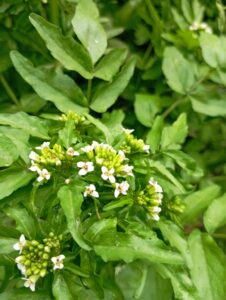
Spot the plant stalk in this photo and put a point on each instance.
(9, 91)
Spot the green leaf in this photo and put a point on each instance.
(208, 106)
(175, 134)
(213, 49)
(25, 294)
(65, 49)
(107, 94)
(178, 71)
(187, 11)
(117, 203)
(197, 202)
(12, 179)
(146, 107)
(120, 246)
(29, 124)
(60, 288)
(67, 133)
(109, 65)
(8, 151)
(154, 135)
(7, 245)
(71, 200)
(25, 223)
(54, 87)
(100, 227)
(215, 216)
(209, 266)
(86, 24)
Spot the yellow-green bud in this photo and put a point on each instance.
(43, 272)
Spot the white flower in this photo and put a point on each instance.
(43, 146)
(128, 131)
(85, 167)
(128, 170)
(30, 283)
(108, 174)
(33, 156)
(156, 217)
(208, 30)
(22, 268)
(87, 148)
(18, 259)
(146, 148)
(67, 181)
(121, 188)
(34, 167)
(122, 155)
(72, 152)
(99, 160)
(157, 187)
(58, 162)
(91, 191)
(195, 26)
(58, 262)
(95, 144)
(43, 174)
(20, 245)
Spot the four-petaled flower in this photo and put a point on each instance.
(30, 282)
(72, 152)
(20, 245)
(108, 174)
(43, 174)
(128, 170)
(85, 167)
(91, 191)
(121, 188)
(58, 262)
(33, 156)
(146, 148)
(34, 167)
(43, 146)
(87, 148)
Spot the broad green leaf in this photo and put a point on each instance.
(100, 227)
(120, 246)
(25, 223)
(215, 216)
(109, 65)
(209, 266)
(60, 288)
(54, 87)
(20, 139)
(176, 133)
(154, 135)
(210, 107)
(25, 294)
(86, 24)
(71, 200)
(146, 107)
(107, 94)
(29, 124)
(12, 179)
(7, 245)
(67, 133)
(113, 120)
(8, 151)
(213, 49)
(64, 48)
(178, 71)
(197, 202)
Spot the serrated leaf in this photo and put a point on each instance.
(65, 49)
(29, 124)
(12, 179)
(175, 134)
(209, 266)
(215, 216)
(178, 71)
(55, 87)
(197, 202)
(109, 65)
(87, 26)
(107, 94)
(71, 200)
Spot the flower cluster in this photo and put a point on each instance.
(173, 208)
(132, 144)
(78, 119)
(151, 198)
(196, 26)
(36, 259)
(49, 157)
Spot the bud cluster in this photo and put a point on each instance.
(78, 119)
(36, 259)
(151, 198)
(132, 144)
(197, 26)
(173, 207)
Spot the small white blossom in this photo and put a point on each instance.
(33, 156)
(58, 162)
(99, 160)
(29, 283)
(95, 144)
(58, 262)
(157, 187)
(18, 259)
(156, 217)
(91, 191)
(34, 167)
(72, 152)
(43, 174)
(43, 146)
(20, 245)
(122, 155)
(121, 188)
(128, 170)
(146, 148)
(85, 167)
(67, 181)
(87, 148)
(195, 26)
(108, 174)
(22, 268)
(128, 131)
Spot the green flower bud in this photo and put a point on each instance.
(43, 272)
(27, 262)
(45, 256)
(47, 249)
(34, 243)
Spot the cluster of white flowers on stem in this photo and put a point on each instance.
(197, 26)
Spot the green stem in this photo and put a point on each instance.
(54, 11)
(96, 209)
(173, 106)
(89, 90)
(219, 236)
(9, 90)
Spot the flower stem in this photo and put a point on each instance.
(54, 11)
(9, 91)
(89, 90)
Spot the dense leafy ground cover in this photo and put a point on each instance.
(112, 150)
